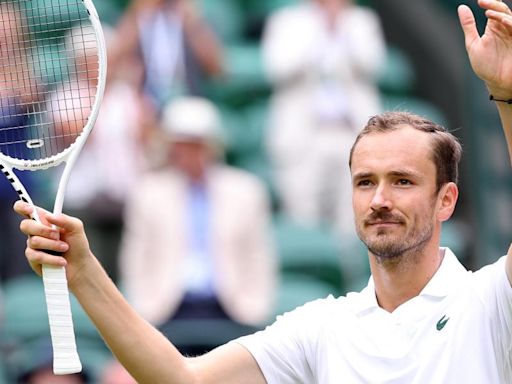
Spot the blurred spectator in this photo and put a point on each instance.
(70, 105)
(17, 97)
(114, 155)
(205, 253)
(176, 47)
(323, 57)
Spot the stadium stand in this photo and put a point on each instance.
(26, 328)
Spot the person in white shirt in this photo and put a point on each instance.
(322, 58)
(422, 318)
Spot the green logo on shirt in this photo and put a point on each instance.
(442, 322)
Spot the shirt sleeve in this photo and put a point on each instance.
(284, 349)
(496, 296)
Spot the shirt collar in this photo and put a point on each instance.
(440, 285)
(445, 279)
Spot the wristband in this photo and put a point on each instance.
(492, 98)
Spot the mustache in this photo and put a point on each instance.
(382, 216)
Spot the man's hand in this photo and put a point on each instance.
(58, 233)
(491, 58)
(490, 54)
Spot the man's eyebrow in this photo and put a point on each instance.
(362, 175)
(397, 173)
(404, 173)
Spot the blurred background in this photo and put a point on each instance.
(264, 64)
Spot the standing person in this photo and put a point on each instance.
(19, 99)
(322, 58)
(423, 318)
(177, 47)
(120, 142)
(212, 256)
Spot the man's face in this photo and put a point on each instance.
(394, 192)
(191, 157)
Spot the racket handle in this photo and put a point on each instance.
(65, 355)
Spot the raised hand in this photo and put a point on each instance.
(490, 54)
(58, 233)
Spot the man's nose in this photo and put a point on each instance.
(381, 199)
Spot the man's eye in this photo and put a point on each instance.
(404, 182)
(364, 183)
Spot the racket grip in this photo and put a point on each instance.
(65, 355)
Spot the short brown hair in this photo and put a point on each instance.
(446, 149)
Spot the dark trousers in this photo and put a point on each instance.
(200, 325)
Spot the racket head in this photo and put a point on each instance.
(52, 79)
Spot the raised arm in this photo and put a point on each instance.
(144, 352)
(491, 58)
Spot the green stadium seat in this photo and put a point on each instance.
(258, 165)
(42, 14)
(225, 17)
(454, 235)
(3, 373)
(354, 264)
(26, 327)
(310, 251)
(397, 76)
(244, 79)
(244, 131)
(296, 290)
(262, 8)
(109, 12)
(244, 128)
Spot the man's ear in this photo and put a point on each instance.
(447, 199)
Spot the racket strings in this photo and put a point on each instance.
(22, 106)
(48, 76)
(50, 43)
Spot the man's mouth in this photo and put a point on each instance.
(377, 222)
(383, 222)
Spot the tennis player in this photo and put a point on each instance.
(422, 318)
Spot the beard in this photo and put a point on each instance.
(390, 248)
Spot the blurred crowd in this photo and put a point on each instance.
(215, 186)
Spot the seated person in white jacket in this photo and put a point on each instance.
(207, 251)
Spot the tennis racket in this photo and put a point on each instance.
(53, 71)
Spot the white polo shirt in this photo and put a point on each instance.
(458, 330)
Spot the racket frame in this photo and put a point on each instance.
(65, 356)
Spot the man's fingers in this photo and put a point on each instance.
(32, 228)
(37, 258)
(27, 210)
(23, 209)
(45, 244)
(504, 19)
(67, 223)
(468, 24)
(495, 5)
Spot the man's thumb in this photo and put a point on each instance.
(468, 24)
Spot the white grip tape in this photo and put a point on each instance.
(65, 355)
